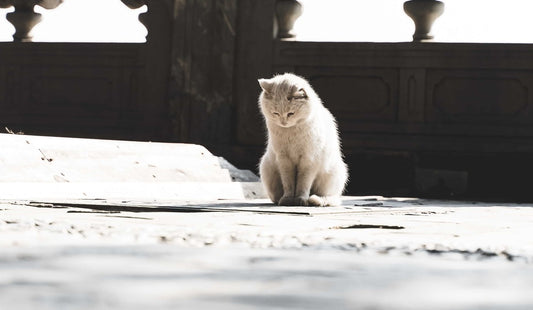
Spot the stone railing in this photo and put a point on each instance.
(423, 13)
(24, 18)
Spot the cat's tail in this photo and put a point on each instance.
(324, 201)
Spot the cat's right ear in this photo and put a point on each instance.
(266, 85)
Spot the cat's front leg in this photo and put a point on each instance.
(305, 175)
(288, 177)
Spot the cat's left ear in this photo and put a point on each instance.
(301, 94)
(266, 85)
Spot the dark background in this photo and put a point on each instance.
(429, 119)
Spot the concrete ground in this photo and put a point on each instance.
(371, 253)
(93, 224)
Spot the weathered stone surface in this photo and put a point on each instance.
(36, 167)
(151, 244)
(371, 253)
(163, 277)
(202, 71)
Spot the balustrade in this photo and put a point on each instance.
(422, 12)
(24, 18)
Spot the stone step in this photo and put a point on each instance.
(138, 191)
(91, 168)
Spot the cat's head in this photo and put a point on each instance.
(286, 99)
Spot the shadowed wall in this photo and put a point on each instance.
(415, 118)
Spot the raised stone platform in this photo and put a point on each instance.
(34, 167)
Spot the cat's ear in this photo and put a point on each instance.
(266, 85)
(300, 94)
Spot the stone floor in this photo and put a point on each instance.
(370, 253)
(95, 224)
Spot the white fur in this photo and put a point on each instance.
(303, 163)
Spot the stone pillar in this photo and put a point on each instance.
(287, 12)
(24, 18)
(423, 13)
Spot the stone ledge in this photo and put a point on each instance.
(35, 167)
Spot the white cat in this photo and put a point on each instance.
(303, 163)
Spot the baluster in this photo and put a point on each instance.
(287, 12)
(157, 19)
(134, 4)
(24, 18)
(143, 17)
(423, 13)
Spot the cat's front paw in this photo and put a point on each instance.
(300, 201)
(286, 201)
(293, 201)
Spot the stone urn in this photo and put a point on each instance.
(287, 12)
(423, 13)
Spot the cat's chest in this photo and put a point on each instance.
(294, 143)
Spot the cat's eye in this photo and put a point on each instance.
(290, 114)
(300, 97)
(275, 113)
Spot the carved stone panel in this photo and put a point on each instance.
(412, 95)
(480, 97)
(357, 94)
(69, 91)
(87, 95)
(72, 88)
(10, 91)
(3, 86)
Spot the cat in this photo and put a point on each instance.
(303, 164)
